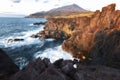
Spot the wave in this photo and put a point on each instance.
(30, 48)
(26, 35)
(53, 54)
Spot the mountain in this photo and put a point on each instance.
(61, 11)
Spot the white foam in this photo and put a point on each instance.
(31, 25)
(75, 66)
(26, 36)
(22, 61)
(53, 54)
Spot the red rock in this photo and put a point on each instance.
(84, 32)
(82, 40)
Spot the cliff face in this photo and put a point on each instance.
(99, 40)
(83, 39)
(86, 32)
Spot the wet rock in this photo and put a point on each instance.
(39, 23)
(52, 73)
(64, 70)
(18, 39)
(96, 72)
(14, 40)
(38, 70)
(106, 50)
(56, 34)
(7, 67)
(34, 36)
(31, 71)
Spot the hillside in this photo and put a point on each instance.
(61, 11)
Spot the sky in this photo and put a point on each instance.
(27, 7)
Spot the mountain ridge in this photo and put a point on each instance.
(60, 11)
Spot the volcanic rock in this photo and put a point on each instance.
(106, 50)
(14, 40)
(7, 67)
(64, 70)
(39, 23)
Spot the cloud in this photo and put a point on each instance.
(36, 0)
(16, 1)
(46, 1)
(56, 5)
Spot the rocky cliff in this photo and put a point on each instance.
(95, 40)
(88, 37)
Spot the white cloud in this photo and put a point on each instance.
(16, 1)
(31, 6)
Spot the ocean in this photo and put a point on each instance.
(21, 52)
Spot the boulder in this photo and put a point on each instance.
(14, 40)
(40, 70)
(7, 66)
(65, 70)
(39, 23)
(32, 70)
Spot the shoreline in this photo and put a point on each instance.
(94, 40)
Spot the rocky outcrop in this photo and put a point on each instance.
(82, 40)
(56, 34)
(54, 29)
(65, 70)
(84, 33)
(43, 69)
(7, 67)
(39, 23)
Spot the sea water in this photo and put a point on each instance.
(21, 52)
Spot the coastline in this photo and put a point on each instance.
(94, 40)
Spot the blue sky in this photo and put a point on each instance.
(30, 6)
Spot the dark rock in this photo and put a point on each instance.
(7, 67)
(51, 73)
(96, 72)
(39, 23)
(56, 34)
(31, 71)
(44, 70)
(42, 37)
(58, 63)
(14, 40)
(106, 50)
(18, 39)
(34, 36)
